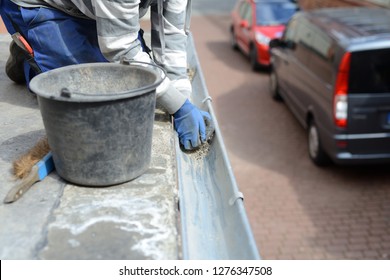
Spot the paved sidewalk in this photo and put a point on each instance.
(59, 220)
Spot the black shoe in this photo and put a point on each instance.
(14, 67)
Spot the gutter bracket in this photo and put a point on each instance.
(235, 197)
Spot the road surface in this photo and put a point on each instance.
(296, 210)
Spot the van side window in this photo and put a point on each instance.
(304, 35)
(323, 55)
(291, 30)
(302, 42)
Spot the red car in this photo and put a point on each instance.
(255, 23)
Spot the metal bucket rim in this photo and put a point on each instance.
(66, 95)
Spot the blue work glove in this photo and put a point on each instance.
(193, 125)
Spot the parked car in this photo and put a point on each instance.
(332, 69)
(255, 23)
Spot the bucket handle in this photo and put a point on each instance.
(126, 61)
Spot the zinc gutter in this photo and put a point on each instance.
(213, 219)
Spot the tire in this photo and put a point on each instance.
(316, 151)
(253, 59)
(233, 40)
(274, 86)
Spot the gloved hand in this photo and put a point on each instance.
(193, 125)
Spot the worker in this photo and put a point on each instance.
(65, 32)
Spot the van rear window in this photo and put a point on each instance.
(370, 71)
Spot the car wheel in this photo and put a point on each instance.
(274, 86)
(316, 151)
(253, 59)
(233, 40)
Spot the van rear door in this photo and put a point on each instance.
(369, 101)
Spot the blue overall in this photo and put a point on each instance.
(57, 38)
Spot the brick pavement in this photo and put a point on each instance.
(296, 210)
(320, 223)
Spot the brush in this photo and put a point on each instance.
(30, 168)
(23, 165)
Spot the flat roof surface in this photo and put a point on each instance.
(59, 220)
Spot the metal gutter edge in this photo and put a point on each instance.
(214, 224)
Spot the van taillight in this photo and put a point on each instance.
(340, 98)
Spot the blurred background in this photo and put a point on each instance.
(296, 209)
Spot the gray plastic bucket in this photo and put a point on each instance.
(98, 119)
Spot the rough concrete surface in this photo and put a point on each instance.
(59, 220)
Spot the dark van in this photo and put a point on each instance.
(332, 69)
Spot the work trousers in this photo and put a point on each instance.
(56, 38)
